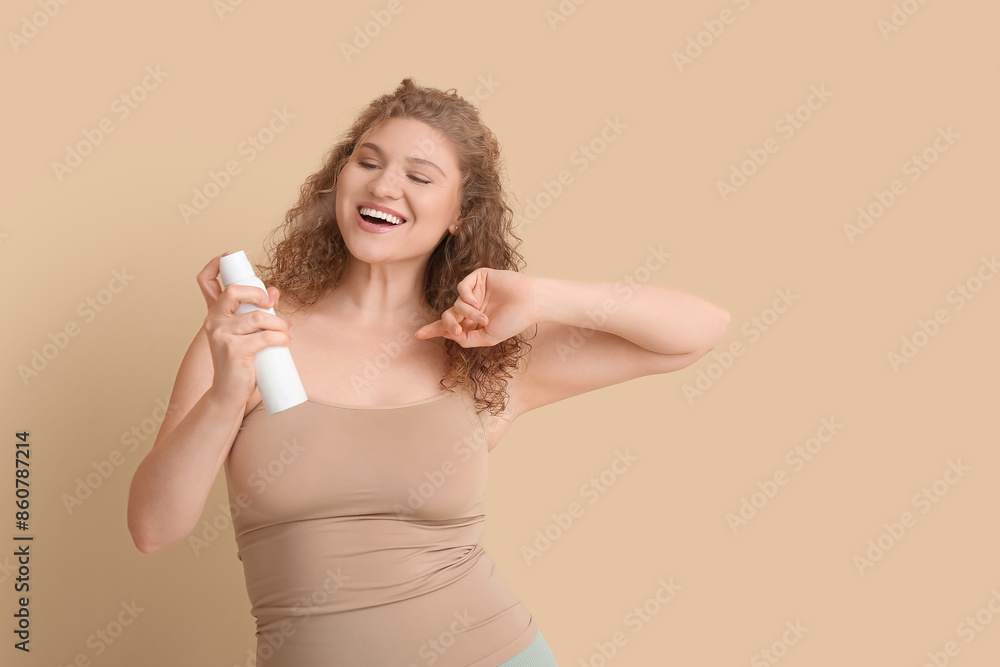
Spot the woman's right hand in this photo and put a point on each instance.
(235, 339)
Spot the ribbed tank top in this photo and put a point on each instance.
(358, 529)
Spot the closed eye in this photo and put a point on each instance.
(372, 165)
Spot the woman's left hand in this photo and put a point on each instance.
(492, 306)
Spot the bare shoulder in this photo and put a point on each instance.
(294, 314)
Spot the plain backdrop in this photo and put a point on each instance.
(825, 171)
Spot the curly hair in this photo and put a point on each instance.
(311, 258)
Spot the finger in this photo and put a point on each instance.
(258, 320)
(210, 288)
(466, 310)
(474, 338)
(267, 338)
(452, 321)
(234, 295)
(466, 289)
(432, 330)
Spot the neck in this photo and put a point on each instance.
(379, 294)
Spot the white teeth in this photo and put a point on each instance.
(382, 216)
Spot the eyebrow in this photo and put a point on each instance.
(412, 160)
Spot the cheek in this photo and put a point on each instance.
(345, 184)
(448, 205)
(441, 209)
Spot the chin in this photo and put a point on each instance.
(377, 250)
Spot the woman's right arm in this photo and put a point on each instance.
(210, 397)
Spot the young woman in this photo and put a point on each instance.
(397, 289)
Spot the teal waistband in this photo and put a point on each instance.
(538, 654)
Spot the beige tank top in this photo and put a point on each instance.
(358, 530)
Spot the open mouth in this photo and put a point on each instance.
(376, 217)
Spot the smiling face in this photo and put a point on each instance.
(399, 193)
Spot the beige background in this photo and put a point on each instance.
(655, 185)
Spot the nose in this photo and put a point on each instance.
(385, 184)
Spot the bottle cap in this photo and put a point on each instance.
(234, 267)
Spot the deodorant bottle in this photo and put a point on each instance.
(277, 379)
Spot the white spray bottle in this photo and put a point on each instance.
(277, 379)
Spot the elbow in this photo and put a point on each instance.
(145, 542)
(145, 547)
(149, 534)
(717, 329)
(714, 333)
(141, 537)
(145, 536)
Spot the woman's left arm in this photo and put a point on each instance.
(589, 335)
(660, 319)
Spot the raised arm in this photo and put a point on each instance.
(210, 397)
(589, 335)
